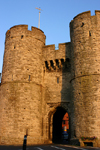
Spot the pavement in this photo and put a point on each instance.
(49, 147)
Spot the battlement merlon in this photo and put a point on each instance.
(49, 52)
(22, 30)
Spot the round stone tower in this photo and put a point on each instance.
(22, 85)
(85, 61)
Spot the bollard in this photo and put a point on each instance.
(25, 142)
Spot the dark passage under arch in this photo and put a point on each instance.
(57, 125)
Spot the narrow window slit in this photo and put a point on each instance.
(82, 24)
(29, 78)
(22, 36)
(57, 79)
(89, 33)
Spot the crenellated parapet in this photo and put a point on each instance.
(21, 31)
(49, 52)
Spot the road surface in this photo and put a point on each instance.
(48, 147)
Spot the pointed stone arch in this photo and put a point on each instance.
(50, 115)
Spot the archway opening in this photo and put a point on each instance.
(58, 124)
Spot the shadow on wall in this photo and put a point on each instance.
(66, 106)
(57, 125)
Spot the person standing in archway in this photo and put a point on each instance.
(65, 135)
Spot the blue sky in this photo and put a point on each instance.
(54, 19)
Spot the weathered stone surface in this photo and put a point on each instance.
(37, 79)
(85, 62)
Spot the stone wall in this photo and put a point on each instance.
(56, 83)
(37, 80)
(49, 52)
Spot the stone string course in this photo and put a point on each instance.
(36, 79)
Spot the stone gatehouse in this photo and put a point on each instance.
(40, 84)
